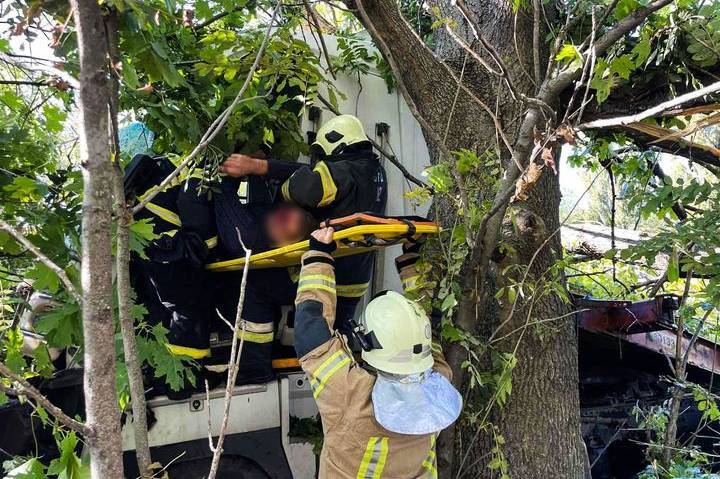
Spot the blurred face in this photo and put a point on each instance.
(287, 224)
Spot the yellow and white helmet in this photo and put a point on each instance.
(397, 335)
(337, 134)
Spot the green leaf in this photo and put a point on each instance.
(31, 469)
(570, 56)
(4, 45)
(673, 271)
(54, 118)
(623, 66)
(625, 8)
(602, 88)
(44, 278)
(641, 51)
(141, 234)
(61, 326)
(68, 465)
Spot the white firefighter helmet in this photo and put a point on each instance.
(337, 134)
(400, 333)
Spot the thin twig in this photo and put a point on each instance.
(26, 389)
(233, 364)
(318, 28)
(69, 286)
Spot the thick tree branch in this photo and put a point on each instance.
(24, 388)
(102, 412)
(657, 110)
(69, 286)
(650, 136)
(556, 85)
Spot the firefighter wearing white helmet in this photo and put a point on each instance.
(336, 136)
(381, 421)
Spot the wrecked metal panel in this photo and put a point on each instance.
(625, 316)
(704, 354)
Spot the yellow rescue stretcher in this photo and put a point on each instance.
(355, 234)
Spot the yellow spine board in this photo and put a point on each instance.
(290, 255)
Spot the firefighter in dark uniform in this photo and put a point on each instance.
(171, 281)
(346, 178)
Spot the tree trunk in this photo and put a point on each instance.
(122, 263)
(103, 416)
(540, 421)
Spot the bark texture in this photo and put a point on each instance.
(540, 422)
(103, 416)
(122, 262)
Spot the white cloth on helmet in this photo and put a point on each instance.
(422, 403)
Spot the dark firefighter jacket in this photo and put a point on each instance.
(355, 445)
(172, 281)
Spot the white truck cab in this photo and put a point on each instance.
(258, 442)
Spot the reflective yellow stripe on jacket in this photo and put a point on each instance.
(373, 461)
(320, 377)
(352, 290)
(164, 214)
(194, 353)
(257, 332)
(328, 184)
(429, 462)
(316, 281)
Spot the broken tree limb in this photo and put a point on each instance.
(657, 110)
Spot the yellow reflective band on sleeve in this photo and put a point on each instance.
(352, 290)
(324, 372)
(194, 353)
(260, 338)
(316, 281)
(212, 242)
(261, 333)
(328, 184)
(373, 461)
(164, 214)
(285, 190)
(429, 462)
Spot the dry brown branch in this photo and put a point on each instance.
(318, 28)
